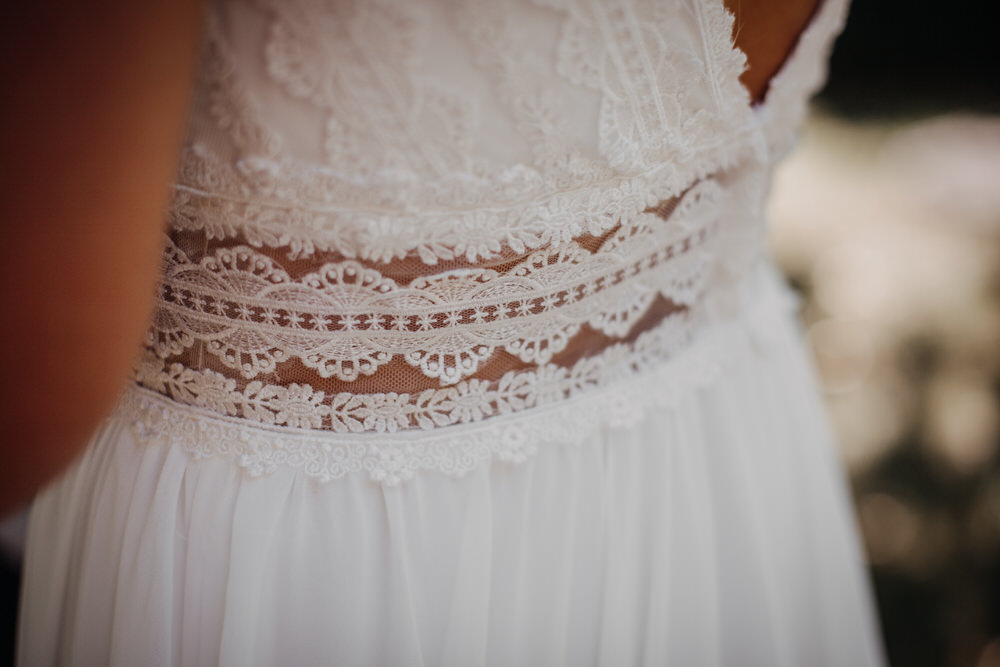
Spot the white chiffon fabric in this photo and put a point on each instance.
(717, 532)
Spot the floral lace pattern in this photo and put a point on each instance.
(346, 320)
(400, 175)
(643, 120)
(329, 59)
(267, 428)
(300, 406)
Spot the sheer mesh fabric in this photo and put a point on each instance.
(396, 375)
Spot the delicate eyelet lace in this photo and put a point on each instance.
(346, 320)
(265, 428)
(467, 401)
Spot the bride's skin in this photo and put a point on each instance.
(767, 31)
(94, 106)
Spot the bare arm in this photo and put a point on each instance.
(94, 101)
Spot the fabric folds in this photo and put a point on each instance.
(716, 532)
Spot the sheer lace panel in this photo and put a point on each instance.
(250, 331)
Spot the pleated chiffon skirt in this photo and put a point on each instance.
(717, 531)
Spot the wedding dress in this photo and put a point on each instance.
(467, 351)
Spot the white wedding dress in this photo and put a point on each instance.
(467, 352)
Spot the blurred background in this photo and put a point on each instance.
(887, 220)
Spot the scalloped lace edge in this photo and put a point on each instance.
(476, 234)
(277, 202)
(790, 91)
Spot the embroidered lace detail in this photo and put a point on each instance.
(330, 58)
(645, 117)
(300, 406)
(274, 427)
(346, 320)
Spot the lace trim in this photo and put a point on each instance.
(345, 320)
(789, 91)
(527, 411)
(301, 406)
(217, 199)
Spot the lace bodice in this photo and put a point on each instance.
(409, 235)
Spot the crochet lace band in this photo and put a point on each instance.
(264, 430)
(339, 345)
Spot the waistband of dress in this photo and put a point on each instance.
(510, 422)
